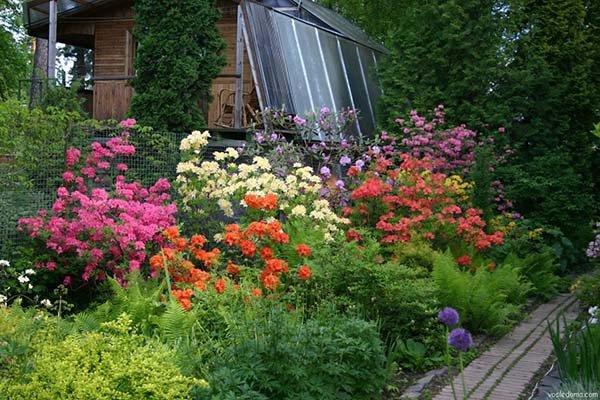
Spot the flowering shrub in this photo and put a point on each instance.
(449, 149)
(260, 252)
(100, 223)
(234, 188)
(411, 201)
(593, 250)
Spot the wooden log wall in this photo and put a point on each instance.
(112, 59)
(114, 52)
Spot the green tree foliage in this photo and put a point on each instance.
(376, 17)
(531, 66)
(13, 49)
(445, 52)
(178, 57)
(551, 88)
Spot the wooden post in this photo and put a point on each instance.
(239, 69)
(53, 19)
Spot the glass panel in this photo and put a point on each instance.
(370, 69)
(268, 52)
(315, 70)
(335, 68)
(293, 63)
(357, 84)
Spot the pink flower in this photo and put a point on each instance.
(67, 281)
(501, 129)
(122, 167)
(72, 156)
(128, 123)
(68, 176)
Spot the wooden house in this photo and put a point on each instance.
(291, 53)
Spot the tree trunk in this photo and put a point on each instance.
(38, 75)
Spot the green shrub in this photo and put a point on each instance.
(281, 357)
(113, 363)
(487, 301)
(253, 348)
(402, 299)
(587, 290)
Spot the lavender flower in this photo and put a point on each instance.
(345, 160)
(340, 184)
(299, 121)
(460, 339)
(448, 316)
(326, 172)
(360, 164)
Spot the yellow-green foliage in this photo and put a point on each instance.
(113, 363)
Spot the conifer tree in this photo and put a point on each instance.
(178, 57)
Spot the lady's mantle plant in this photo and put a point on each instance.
(100, 223)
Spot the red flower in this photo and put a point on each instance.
(220, 285)
(304, 273)
(270, 281)
(232, 268)
(248, 248)
(198, 241)
(256, 292)
(266, 253)
(464, 260)
(353, 236)
(184, 297)
(276, 266)
(371, 188)
(171, 233)
(303, 250)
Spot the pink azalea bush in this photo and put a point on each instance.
(100, 223)
(450, 149)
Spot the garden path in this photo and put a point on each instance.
(505, 370)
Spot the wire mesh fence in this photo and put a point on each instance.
(30, 175)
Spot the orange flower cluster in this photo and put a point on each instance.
(182, 271)
(260, 238)
(246, 240)
(267, 202)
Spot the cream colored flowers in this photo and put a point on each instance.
(222, 183)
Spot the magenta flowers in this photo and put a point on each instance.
(100, 223)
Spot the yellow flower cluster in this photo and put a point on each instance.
(459, 186)
(225, 183)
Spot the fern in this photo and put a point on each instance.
(483, 299)
(176, 323)
(540, 270)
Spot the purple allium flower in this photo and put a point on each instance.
(326, 172)
(299, 121)
(274, 137)
(340, 184)
(360, 164)
(448, 316)
(460, 339)
(325, 111)
(345, 160)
